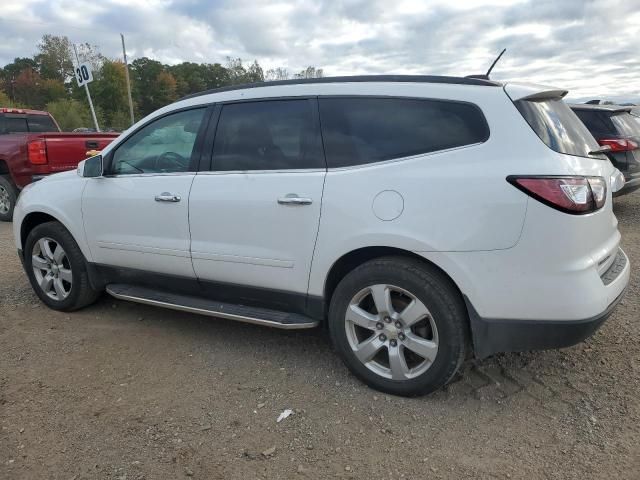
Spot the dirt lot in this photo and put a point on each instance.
(126, 391)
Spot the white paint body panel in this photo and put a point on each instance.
(512, 256)
(126, 227)
(241, 235)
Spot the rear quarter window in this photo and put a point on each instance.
(557, 126)
(626, 125)
(360, 130)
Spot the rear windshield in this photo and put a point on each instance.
(626, 124)
(41, 123)
(21, 123)
(13, 124)
(557, 126)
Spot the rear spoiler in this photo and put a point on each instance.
(531, 91)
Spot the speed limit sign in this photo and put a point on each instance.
(83, 74)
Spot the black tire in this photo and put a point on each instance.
(81, 293)
(439, 296)
(6, 185)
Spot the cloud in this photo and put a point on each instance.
(588, 47)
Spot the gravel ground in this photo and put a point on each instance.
(125, 391)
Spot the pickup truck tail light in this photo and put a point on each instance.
(619, 144)
(37, 152)
(571, 194)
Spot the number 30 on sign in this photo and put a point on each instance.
(83, 74)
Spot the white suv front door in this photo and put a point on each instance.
(254, 217)
(136, 216)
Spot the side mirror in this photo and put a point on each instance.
(91, 167)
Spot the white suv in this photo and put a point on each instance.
(422, 219)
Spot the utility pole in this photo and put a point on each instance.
(86, 87)
(126, 73)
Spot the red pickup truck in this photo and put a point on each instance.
(32, 146)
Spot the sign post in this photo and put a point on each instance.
(84, 76)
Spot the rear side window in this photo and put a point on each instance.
(267, 135)
(13, 124)
(557, 126)
(41, 123)
(359, 130)
(626, 125)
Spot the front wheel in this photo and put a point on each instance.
(8, 197)
(57, 268)
(400, 326)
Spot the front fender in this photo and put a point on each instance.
(59, 198)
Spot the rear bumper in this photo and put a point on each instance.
(494, 336)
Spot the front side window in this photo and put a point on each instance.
(165, 145)
(557, 126)
(267, 135)
(364, 130)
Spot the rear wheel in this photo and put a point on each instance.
(57, 269)
(399, 326)
(8, 196)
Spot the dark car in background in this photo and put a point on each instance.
(614, 126)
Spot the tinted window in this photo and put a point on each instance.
(267, 135)
(41, 123)
(597, 122)
(363, 130)
(13, 124)
(557, 126)
(163, 146)
(626, 125)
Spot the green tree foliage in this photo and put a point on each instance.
(54, 58)
(5, 101)
(70, 114)
(109, 90)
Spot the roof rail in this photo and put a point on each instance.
(356, 78)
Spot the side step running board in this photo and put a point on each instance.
(185, 303)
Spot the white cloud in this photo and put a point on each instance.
(588, 47)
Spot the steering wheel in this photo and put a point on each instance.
(170, 161)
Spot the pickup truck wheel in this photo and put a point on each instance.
(57, 269)
(8, 196)
(400, 326)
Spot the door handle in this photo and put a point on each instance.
(294, 199)
(167, 197)
(91, 144)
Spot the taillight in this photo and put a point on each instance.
(619, 144)
(571, 194)
(37, 152)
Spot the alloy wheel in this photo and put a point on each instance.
(391, 332)
(51, 268)
(5, 201)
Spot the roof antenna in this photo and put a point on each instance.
(495, 61)
(486, 75)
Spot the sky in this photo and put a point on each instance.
(591, 48)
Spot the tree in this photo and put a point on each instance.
(54, 58)
(189, 78)
(28, 88)
(109, 90)
(5, 101)
(144, 73)
(70, 114)
(165, 87)
(11, 71)
(310, 72)
(277, 74)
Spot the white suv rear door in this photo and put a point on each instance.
(254, 216)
